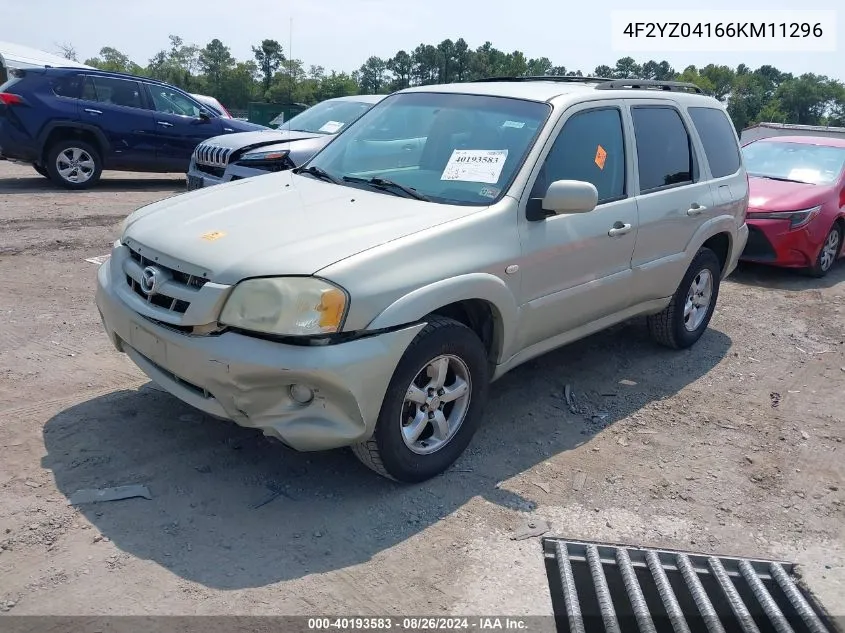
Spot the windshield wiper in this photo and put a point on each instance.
(388, 185)
(803, 182)
(317, 172)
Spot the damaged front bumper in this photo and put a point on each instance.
(249, 380)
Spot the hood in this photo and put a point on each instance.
(278, 224)
(262, 136)
(243, 126)
(777, 195)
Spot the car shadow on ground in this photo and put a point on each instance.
(38, 184)
(232, 510)
(787, 279)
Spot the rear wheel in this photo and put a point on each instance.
(433, 404)
(829, 253)
(74, 164)
(688, 314)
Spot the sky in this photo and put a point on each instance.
(342, 34)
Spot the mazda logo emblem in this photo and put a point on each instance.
(152, 280)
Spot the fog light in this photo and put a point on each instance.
(301, 394)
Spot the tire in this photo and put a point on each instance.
(829, 252)
(41, 171)
(90, 164)
(388, 452)
(671, 327)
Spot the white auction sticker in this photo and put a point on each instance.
(475, 165)
(331, 127)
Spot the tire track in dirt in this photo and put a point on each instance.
(82, 222)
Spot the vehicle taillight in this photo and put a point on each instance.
(7, 98)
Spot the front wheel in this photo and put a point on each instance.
(74, 164)
(688, 314)
(433, 404)
(829, 252)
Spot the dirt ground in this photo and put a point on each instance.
(733, 447)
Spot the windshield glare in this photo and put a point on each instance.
(813, 164)
(328, 117)
(451, 148)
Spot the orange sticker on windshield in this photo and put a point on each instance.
(212, 235)
(601, 157)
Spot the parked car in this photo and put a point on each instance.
(72, 123)
(236, 156)
(367, 299)
(214, 104)
(796, 213)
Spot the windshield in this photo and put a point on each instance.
(448, 148)
(800, 162)
(328, 117)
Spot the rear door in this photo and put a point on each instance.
(117, 107)
(179, 128)
(674, 198)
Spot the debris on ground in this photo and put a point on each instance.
(775, 398)
(570, 401)
(627, 383)
(579, 481)
(530, 529)
(542, 486)
(805, 435)
(109, 494)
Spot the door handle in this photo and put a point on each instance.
(93, 111)
(695, 210)
(164, 124)
(619, 229)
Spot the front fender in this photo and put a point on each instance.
(486, 287)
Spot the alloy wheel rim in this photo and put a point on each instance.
(75, 165)
(698, 300)
(436, 404)
(830, 250)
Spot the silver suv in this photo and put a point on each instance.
(235, 156)
(450, 234)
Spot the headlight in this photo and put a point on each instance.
(264, 156)
(796, 218)
(287, 306)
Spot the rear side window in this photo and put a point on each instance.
(717, 136)
(70, 86)
(664, 153)
(119, 92)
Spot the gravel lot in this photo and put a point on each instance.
(733, 447)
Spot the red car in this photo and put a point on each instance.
(796, 209)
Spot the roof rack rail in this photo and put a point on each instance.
(637, 84)
(561, 78)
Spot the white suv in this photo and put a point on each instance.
(368, 298)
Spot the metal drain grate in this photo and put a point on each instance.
(599, 587)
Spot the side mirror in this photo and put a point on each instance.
(564, 196)
(204, 116)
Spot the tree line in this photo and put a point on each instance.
(751, 95)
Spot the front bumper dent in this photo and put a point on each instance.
(247, 379)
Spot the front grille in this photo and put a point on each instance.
(211, 155)
(598, 587)
(758, 246)
(217, 172)
(175, 294)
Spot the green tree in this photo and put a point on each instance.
(373, 75)
(270, 56)
(114, 61)
(216, 61)
(401, 65)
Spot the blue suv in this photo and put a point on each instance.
(73, 123)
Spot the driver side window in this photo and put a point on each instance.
(171, 102)
(590, 147)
